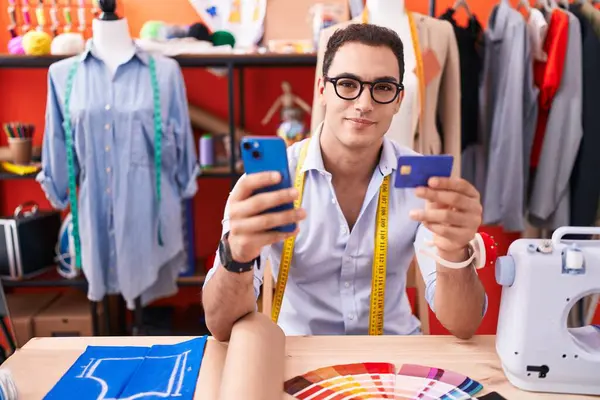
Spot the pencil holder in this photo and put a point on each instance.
(20, 149)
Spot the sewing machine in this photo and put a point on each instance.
(542, 280)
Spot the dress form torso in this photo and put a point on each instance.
(392, 14)
(112, 42)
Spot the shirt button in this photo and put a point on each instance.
(343, 229)
(107, 190)
(347, 284)
(108, 170)
(107, 107)
(333, 200)
(107, 148)
(107, 126)
(350, 316)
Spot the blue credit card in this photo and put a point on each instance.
(414, 171)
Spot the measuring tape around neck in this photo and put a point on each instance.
(376, 310)
(420, 69)
(71, 158)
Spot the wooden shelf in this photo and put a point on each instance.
(219, 172)
(51, 278)
(200, 60)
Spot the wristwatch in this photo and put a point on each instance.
(227, 260)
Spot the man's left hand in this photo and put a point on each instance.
(453, 213)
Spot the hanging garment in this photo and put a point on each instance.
(548, 75)
(549, 205)
(585, 185)
(593, 16)
(440, 114)
(113, 130)
(508, 110)
(538, 29)
(470, 49)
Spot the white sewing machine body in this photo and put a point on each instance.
(542, 280)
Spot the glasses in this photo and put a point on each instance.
(382, 92)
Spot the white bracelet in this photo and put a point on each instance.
(482, 251)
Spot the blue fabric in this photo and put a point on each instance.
(107, 372)
(113, 127)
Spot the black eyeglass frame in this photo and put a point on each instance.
(399, 88)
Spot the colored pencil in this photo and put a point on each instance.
(19, 130)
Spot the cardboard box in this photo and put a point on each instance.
(22, 308)
(69, 315)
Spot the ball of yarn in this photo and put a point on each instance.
(15, 45)
(176, 31)
(199, 31)
(153, 30)
(67, 44)
(221, 38)
(37, 43)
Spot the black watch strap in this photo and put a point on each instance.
(229, 263)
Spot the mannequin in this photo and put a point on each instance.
(124, 139)
(112, 41)
(428, 124)
(392, 14)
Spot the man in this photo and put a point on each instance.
(328, 290)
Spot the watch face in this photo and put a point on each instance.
(223, 254)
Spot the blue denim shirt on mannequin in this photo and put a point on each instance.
(113, 128)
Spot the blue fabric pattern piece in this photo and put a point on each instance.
(168, 371)
(113, 125)
(114, 372)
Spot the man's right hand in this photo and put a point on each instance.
(249, 229)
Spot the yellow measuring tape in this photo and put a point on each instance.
(379, 256)
(419, 60)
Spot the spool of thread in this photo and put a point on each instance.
(574, 259)
(199, 31)
(206, 151)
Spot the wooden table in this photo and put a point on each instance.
(42, 361)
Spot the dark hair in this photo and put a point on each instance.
(368, 34)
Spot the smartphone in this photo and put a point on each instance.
(266, 154)
(414, 171)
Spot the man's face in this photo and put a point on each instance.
(361, 122)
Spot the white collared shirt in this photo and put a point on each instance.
(329, 283)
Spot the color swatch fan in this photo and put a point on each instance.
(381, 381)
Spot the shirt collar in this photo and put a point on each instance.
(314, 158)
(90, 51)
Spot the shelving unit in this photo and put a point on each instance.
(233, 63)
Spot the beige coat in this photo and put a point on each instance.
(442, 93)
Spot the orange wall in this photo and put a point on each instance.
(24, 96)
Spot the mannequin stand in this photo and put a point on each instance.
(432, 8)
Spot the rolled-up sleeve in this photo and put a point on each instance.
(187, 160)
(428, 266)
(53, 176)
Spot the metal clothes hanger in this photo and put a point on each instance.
(463, 4)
